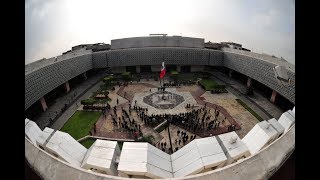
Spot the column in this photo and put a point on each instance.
(230, 73)
(138, 70)
(249, 82)
(85, 75)
(43, 104)
(273, 96)
(66, 85)
(178, 68)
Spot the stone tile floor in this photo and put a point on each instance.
(179, 108)
(108, 129)
(228, 101)
(174, 136)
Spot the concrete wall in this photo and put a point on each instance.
(42, 81)
(265, 57)
(156, 68)
(157, 41)
(99, 59)
(120, 69)
(153, 56)
(261, 71)
(259, 166)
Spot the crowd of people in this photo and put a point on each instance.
(196, 121)
(125, 122)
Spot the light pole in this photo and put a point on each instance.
(170, 138)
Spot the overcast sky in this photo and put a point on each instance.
(54, 26)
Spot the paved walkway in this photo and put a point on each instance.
(54, 111)
(261, 105)
(106, 128)
(174, 138)
(221, 129)
(77, 103)
(129, 94)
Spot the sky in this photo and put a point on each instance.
(54, 26)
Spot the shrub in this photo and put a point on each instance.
(249, 109)
(126, 76)
(88, 102)
(148, 139)
(108, 79)
(210, 85)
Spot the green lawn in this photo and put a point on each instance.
(208, 84)
(249, 109)
(88, 142)
(80, 123)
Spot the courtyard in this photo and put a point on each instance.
(141, 109)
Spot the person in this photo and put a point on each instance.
(117, 101)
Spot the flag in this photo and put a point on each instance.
(163, 71)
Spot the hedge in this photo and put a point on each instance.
(249, 109)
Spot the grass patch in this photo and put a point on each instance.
(126, 73)
(208, 84)
(174, 73)
(249, 109)
(88, 142)
(211, 85)
(80, 123)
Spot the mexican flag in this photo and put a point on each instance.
(163, 71)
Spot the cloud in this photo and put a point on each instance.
(39, 9)
(265, 20)
(53, 26)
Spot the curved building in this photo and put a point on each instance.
(184, 54)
